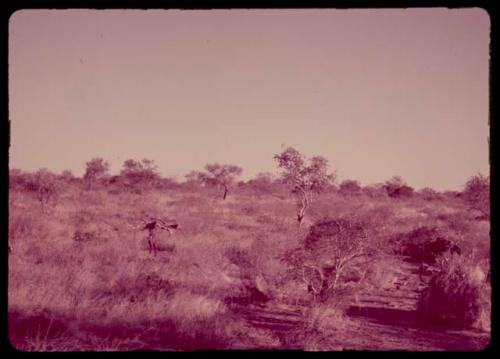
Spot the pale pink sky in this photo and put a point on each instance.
(377, 92)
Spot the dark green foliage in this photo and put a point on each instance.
(425, 245)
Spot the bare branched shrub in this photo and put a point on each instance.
(302, 179)
(333, 250)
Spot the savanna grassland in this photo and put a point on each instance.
(240, 272)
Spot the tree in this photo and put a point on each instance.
(45, 187)
(396, 187)
(193, 177)
(375, 190)
(477, 193)
(67, 176)
(397, 181)
(96, 168)
(350, 187)
(140, 172)
(303, 177)
(220, 175)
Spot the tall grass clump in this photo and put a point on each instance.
(195, 321)
(458, 296)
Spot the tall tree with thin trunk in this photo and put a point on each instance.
(304, 177)
(45, 185)
(96, 168)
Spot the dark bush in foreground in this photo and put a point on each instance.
(456, 297)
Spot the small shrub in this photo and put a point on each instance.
(21, 225)
(82, 236)
(322, 322)
(429, 194)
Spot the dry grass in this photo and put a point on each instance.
(81, 278)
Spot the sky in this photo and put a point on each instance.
(378, 92)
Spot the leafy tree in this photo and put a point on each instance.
(396, 187)
(303, 177)
(140, 172)
(67, 176)
(477, 193)
(350, 187)
(95, 169)
(220, 175)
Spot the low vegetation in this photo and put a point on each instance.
(81, 276)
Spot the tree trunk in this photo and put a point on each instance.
(89, 184)
(304, 205)
(225, 192)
